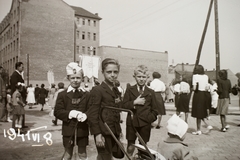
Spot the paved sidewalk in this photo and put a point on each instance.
(215, 145)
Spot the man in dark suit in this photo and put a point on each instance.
(142, 101)
(70, 107)
(16, 77)
(36, 93)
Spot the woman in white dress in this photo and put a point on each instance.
(30, 96)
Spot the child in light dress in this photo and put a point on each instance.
(18, 105)
(9, 105)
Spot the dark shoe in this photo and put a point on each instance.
(54, 122)
(30, 107)
(158, 127)
(238, 125)
(25, 127)
(41, 110)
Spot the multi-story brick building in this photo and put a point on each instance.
(87, 32)
(52, 34)
(49, 33)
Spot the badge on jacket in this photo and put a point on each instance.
(76, 100)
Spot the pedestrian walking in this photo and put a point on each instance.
(184, 98)
(142, 101)
(171, 93)
(51, 93)
(30, 96)
(176, 91)
(159, 88)
(100, 96)
(70, 107)
(36, 93)
(224, 89)
(60, 89)
(18, 77)
(199, 107)
(43, 93)
(214, 96)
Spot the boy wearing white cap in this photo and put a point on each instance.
(70, 107)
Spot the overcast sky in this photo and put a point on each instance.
(174, 26)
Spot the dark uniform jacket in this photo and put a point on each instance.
(143, 114)
(64, 104)
(102, 95)
(14, 79)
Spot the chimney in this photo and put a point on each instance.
(119, 46)
(96, 14)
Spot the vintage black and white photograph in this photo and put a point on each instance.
(119, 79)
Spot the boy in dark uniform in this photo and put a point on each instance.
(70, 107)
(142, 101)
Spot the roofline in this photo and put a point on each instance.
(133, 49)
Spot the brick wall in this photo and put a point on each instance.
(47, 35)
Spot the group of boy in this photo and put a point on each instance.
(72, 105)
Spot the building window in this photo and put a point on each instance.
(77, 34)
(11, 32)
(83, 35)
(17, 27)
(94, 51)
(83, 21)
(89, 22)
(94, 36)
(14, 45)
(94, 23)
(89, 36)
(83, 49)
(17, 44)
(77, 20)
(14, 30)
(77, 48)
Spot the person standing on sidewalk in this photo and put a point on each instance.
(142, 101)
(159, 88)
(60, 89)
(199, 107)
(16, 77)
(70, 107)
(224, 89)
(100, 96)
(183, 104)
(30, 96)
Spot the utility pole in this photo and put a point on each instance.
(27, 69)
(203, 34)
(217, 38)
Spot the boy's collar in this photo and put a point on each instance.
(70, 88)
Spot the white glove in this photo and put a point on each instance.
(74, 114)
(82, 117)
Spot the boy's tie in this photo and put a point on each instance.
(140, 89)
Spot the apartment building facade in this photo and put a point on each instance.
(46, 35)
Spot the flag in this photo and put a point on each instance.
(90, 66)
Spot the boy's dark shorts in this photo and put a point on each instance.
(81, 141)
(144, 131)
